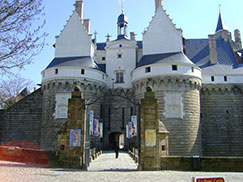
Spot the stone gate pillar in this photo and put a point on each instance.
(71, 138)
(151, 136)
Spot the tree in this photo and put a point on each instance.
(20, 40)
(13, 90)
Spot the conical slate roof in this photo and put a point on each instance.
(221, 25)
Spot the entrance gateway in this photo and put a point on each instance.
(74, 140)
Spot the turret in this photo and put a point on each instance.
(122, 23)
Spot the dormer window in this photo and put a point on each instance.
(174, 67)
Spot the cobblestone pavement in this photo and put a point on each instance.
(105, 168)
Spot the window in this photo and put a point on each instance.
(103, 58)
(147, 69)
(225, 78)
(120, 45)
(174, 67)
(192, 69)
(212, 78)
(82, 71)
(56, 71)
(119, 77)
(119, 55)
(103, 76)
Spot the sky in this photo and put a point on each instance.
(197, 19)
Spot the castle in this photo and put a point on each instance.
(198, 82)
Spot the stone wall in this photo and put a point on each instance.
(1, 125)
(229, 164)
(23, 119)
(222, 120)
(50, 124)
(179, 110)
(118, 111)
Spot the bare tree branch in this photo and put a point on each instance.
(11, 88)
(20, 38)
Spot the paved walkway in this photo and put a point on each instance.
(108, 162)
(105, 168)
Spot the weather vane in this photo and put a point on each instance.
(121, 2)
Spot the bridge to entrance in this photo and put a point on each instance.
(108, 162)
(74, 149)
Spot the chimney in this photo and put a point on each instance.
(238, 38)
(79, 4)
(158, 3)
(87, 25)
(132, 36)
(213, 56)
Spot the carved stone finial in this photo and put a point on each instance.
(77, 88)
(149, 89)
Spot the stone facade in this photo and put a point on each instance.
(22, 121)
(72, 152)
(51, 124)
(222, 120)
(184, 129)
(153, 142)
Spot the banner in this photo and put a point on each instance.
(96, 127)
(101, 130)
(91, 120)
(134, 122)
(130, 130)
(75, 138)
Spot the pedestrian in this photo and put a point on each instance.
(116, 150)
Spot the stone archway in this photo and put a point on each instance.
(116, 138)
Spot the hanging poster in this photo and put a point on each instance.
(150, 138)
(96, 127)
(75, 138)
(101, 130)
(130, 130)
(91, 120)
(134, 122)
(127, 131)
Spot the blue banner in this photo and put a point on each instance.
(75, 138)
(96, 127)
(130, 130)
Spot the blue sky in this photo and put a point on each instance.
(197, 19)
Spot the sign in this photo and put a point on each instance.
(150, 138)
(101, 130)
(209, 179)
(96, 127)
(130, 130)
(134, 121)
(91, 120)
(75, 138)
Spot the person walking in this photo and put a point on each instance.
(116, 150)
